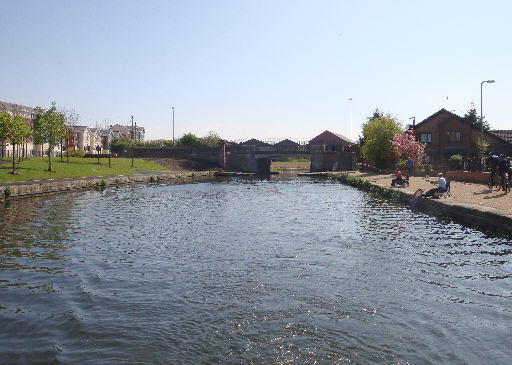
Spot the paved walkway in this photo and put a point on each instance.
(461, 192)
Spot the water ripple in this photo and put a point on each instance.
(247, 271)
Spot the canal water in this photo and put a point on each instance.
(247, 271)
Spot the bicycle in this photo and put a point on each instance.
(494, 180)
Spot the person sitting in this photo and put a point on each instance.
(442, 187)
(398, 180)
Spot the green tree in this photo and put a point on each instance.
(14, 129)
(118, 145)
(211, 140)
(472, 117)
(378, 133)
(50, 128)
(188, 139)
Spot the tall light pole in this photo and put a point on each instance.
(350, 119)
(133, 136)
(482, 108)
(172, 126)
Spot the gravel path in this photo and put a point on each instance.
(461, 192)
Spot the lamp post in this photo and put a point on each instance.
(350, 119)
(133, 136)
(413, 121)
(172, 126)
(481, 109)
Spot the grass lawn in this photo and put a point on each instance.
(36, 168)
(291, 164)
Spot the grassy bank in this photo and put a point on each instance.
(36, 168)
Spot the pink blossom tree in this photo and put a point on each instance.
(406, 146)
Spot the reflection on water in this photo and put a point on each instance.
(251, 271)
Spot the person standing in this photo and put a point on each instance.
(492, 164)
(503, 166)
(409, 164)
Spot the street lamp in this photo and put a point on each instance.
(413, 121)
(172, 126)
(481, 109)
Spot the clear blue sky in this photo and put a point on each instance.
(266, 68)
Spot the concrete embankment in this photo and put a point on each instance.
(484, 218)
(37, 187)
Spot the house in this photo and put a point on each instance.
(447, 134)
(128, 132)
(258, 145)
(503, 134)
(332, 141)
(95, 140)
(286, 145)
(82, 138)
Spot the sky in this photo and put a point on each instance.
(257, 69)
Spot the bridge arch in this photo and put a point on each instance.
(264, 162)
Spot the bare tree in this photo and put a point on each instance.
(72, 120)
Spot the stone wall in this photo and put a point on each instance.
(62, 185)
(469, 176)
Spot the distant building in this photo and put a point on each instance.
(137, 133)
(257, 145)
(332, 141)
(30, 116)
(82, 138)
(503, 134)
(286, 145)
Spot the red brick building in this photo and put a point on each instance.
(286, 145)
(332, 140)
(448, 134)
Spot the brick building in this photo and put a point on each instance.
(28, 148)
(447, 134)
(332, 141)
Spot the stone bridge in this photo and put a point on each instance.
(257, 159)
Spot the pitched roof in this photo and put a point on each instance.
(255, 142)
(286, 142)
(442, 110)
(79, 128)
(495, 134)
(503, 134)
(326, 133)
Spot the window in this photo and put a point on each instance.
(426, 137)
(454, 136)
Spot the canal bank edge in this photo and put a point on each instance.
(28, 188)
(484, 218)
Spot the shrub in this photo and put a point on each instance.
(75, 153)
(455, 161)
(7, 192)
